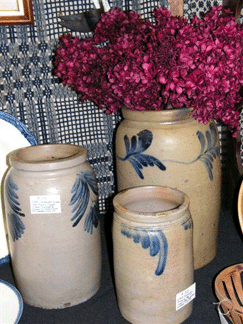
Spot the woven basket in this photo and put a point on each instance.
(229, 291)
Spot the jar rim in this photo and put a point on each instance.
(178, 204)
(46, 157)
(168, 115)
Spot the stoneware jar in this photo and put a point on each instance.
(53, 225)
(170, 148)
(153, 255)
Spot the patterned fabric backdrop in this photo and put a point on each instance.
(52, 112)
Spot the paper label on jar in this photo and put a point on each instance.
(46, 204)
(185, 296)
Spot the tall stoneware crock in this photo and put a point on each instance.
(153, 255)
(170, 148)
(53, 226)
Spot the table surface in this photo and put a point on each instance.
(102, 308)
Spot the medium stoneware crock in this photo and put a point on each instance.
(53, 225)
(153, 255)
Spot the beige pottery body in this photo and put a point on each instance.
(153, 254)
(170, 148)
(53, 228)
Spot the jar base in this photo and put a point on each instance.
(62, 305)
(204, 260)
(175, 320)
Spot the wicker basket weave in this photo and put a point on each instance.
(229, 291)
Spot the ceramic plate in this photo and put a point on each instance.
(13, 135)
(11, 304)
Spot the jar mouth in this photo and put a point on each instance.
(47, 157)
(167, 115)
(151, 203)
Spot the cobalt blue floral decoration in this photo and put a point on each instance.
(135, 152)
(85, 184)
(154, 240)
(212, 151)
(187, 224)
(143, 140)
(16, 225)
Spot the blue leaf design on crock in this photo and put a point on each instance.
(134, 152)
(154, 240)
(16, 226)
(85, 181)
(212, 151)
(187, 224)
(92, 218)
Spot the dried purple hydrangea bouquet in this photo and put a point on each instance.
(168, 62)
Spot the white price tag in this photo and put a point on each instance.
(186, 296)
(48, 204)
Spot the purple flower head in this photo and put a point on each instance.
(173, 62)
